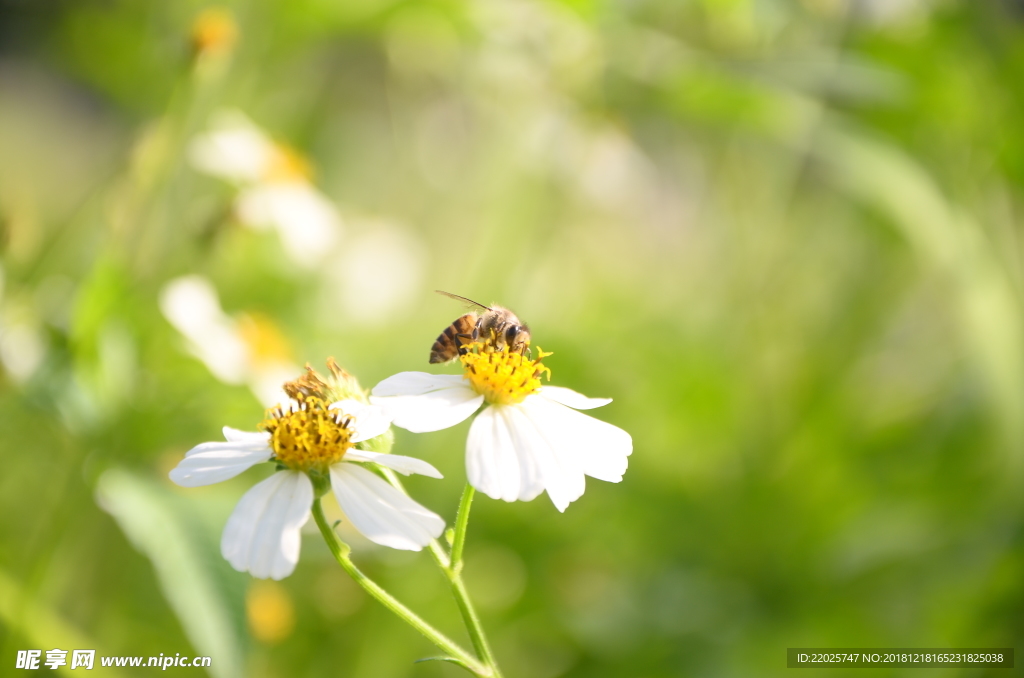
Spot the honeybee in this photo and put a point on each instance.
(496, 327)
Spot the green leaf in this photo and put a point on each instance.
(193, 577)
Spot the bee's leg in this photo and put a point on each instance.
(462, 340)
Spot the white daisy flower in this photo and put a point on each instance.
(309, 439)
(232, 353)
(306, 222)
(274, 184)
(529, 438)
(234, 149)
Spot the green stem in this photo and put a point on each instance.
(341, 550)
(461, 523)
(472, 621)
(453, 571)
(452, 568)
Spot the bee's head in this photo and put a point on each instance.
(517, 337)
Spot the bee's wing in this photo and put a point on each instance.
(464, 300)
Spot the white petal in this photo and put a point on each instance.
(557, 461)
(210, 463)
(348, 406)
(382, 513)
(262, 535)
(233, 435)
(421, 402)
(600, 448)
(396, 462)
(234, 149)
(569, 397)
(191, 304)
(307, 222)
(417, 383)
(493, 463)
(368, 421)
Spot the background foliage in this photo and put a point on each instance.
(784, 236)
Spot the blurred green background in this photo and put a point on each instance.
(784, 236)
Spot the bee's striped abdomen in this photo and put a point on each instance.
(448, 343)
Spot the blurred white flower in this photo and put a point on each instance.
(306, 221)
(23, 344)
(528, 439)
(22, 349)
(274, 186)
(305, 437)
(234, 149)
(377, 275)
(234, 352)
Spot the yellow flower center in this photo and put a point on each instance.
(502, 377)
(308, 436)
(214, 30)
(266, 342)
(287, 166)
